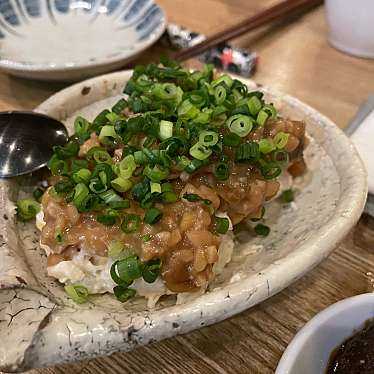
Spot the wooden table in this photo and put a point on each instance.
(296, 58)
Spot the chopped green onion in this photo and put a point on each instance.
(70, 149)
(193, 198)
(146, 238)
(119, 106)
(121, 204)
(173, 145)
(182, 162)
(115, 248)
(152, 216)
(240, 124)
(97, 186)
(166, 129)
(218, 111)
(204, 116)
(193, 166)
(147, 201)
(247, 152)
(262, 117)
(187, 110)
(167, 187)
(222, 171)
(288, 196)
(123, 294)
(90, 202)
(266, 146)
(58, 236)
(110, 196)
(254, 105)
(64, 186)
(152, 156)
(128, 269)
(127, 166)
(200, 151)
(121, 184)
(156, 187)
(38, 194)
(151, 270)
(270, 170)
(270, 110)
(165, 91)
(80, 193)
(101, 156)
(130, 223)
(165, 159)
(223, 78)
(108, 135)
(281, 157)
(27, 209)
(100, 170)
(220, 94)
(157, 173)
(231, 140)
(57, 166)
(221, 225)
(82, 176)
(52, 192)
(77, 293)
(113, 117)
(281, 139)
(140, 158)
(81, 129)
(148, 141)
(267, 111)
(116, 278)
(262, 230)
(101, 118)
(208, 138)
(108, 217)
(78, 164)
(140, 190)
(169, 197)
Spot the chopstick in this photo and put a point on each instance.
(274, 13)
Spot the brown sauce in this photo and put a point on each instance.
(184, 239)
(355, 355)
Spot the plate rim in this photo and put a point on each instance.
(26, 67)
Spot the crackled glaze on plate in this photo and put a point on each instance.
(73, 39)
(42, 327)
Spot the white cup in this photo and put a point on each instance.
(351, 26)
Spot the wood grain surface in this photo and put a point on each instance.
(296, 58)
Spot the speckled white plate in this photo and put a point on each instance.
(40, 326)
(75, 39)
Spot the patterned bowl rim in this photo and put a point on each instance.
(69, 66)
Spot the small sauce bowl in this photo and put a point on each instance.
(310, 350)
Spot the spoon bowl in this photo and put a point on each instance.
(27, 140)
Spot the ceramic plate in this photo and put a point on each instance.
(40, 326)
(74, 39)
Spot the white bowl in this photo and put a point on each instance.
(75, 39)
(310, 349)
(351, 26)
(51, 329)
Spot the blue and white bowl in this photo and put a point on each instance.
(74, 39)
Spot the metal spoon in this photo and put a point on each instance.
(27, 140)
